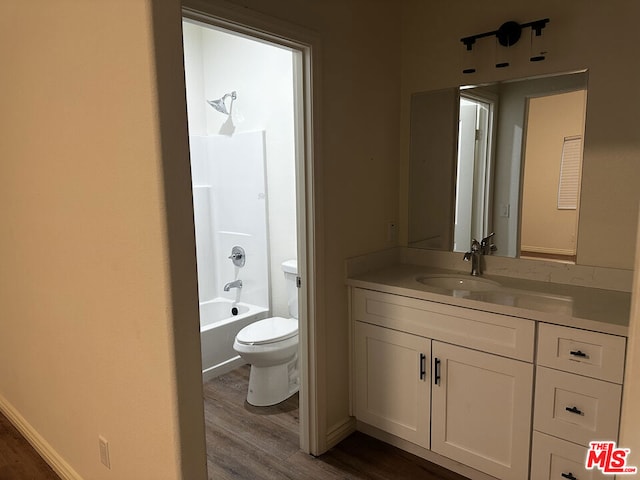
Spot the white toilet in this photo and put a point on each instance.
(271, 347)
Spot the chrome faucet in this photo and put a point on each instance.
(474, 256)
(483, 247)
(234, 284)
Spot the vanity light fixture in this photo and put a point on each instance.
(507, 35)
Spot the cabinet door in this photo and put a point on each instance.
(392, 381)
(481, 410)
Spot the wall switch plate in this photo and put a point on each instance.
(505, 210)
(104, 451)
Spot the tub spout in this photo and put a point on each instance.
(234, 284)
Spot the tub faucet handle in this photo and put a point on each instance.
(237, 256)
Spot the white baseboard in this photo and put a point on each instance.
(547, 250)
(44, 449)
(222, 368)
(340, 431)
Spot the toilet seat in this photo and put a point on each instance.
(269, 330)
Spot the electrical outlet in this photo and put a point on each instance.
(103, 444)
(392, 232)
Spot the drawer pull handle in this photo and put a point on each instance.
(574, 410)
(569, 476)
(423, 371)
(436, 376)
(578, 353)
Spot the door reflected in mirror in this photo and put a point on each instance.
(552, 174)
(514, 169)
(474, 170)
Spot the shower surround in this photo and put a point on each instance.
(230, 209)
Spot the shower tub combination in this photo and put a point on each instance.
(230, 216)
(219, 325)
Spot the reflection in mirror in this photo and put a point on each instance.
(475, 165)
(513, 170)
(432, 170)
(552, 171)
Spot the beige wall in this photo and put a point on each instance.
(581, 34)
(87, 295)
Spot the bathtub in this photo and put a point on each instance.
(218, 329)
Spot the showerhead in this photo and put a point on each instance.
(219, 104)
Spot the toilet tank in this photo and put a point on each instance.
(290, 269)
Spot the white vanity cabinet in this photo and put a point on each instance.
(578, 398)
(453, 380)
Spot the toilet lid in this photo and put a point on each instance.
(269, 330)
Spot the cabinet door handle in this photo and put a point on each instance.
(569, 476)
(436, 375)
(423, 371)
(578, 353)
(574, 410)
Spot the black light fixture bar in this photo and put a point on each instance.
(508, 33)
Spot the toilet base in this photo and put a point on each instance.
(272, 385)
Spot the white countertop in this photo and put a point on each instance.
(605, 311)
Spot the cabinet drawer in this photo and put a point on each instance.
(556, 459)
(576, 408)
(489, 332)
(592, 354)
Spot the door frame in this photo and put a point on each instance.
(308, 196)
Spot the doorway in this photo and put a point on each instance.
(242, 100)
(474, 171)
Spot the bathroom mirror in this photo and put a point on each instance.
(503, 158)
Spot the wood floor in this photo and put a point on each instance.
(18, 460)
(249, 443)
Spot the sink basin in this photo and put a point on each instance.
(531, 301)
(489, 291)
(454, 283)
